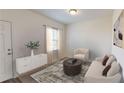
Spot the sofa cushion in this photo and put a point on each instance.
(95, 69)
(110, 60)
(79, 56)
(105, 71)
(105, 59)
(115, 68)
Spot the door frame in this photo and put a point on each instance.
(11, 44)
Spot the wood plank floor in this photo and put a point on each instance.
(26, 78)
(15, 80)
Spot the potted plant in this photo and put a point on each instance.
(32, 45)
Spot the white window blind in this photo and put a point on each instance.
(52, 39)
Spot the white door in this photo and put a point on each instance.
(5, 51)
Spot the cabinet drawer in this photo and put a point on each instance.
(23, 65)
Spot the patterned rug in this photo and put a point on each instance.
(55, 74)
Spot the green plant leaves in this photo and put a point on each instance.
(32, 44)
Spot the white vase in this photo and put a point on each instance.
(32, 52)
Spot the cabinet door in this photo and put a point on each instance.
(23, 65)
(44, 59)
(36, 61)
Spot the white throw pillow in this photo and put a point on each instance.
(115, 68)
(110, 60)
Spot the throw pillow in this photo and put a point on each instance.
(105, 71)
(110, 60)
(115, 68)
(105, 60)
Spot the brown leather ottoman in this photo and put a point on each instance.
(72, 66)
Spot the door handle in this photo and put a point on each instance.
(9, 49)
(9, 53)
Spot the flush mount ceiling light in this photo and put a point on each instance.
(73, 11)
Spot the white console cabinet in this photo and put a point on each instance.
(26, 64)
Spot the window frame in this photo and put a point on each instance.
(53, 47)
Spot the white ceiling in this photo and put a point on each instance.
(61, 15)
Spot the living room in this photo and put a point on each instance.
(90, 29)
(61, 46)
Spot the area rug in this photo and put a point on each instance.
(55, 74)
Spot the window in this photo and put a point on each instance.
(55, 39)
(52, 38)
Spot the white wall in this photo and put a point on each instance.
(94, 34)
(118, 52)
(26, 26)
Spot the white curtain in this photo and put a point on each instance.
(60, 44)
(53, 54)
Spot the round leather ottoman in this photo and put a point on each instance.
(72, 66)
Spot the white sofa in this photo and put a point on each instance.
(94, 74)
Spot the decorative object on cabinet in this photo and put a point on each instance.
(32, 45)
